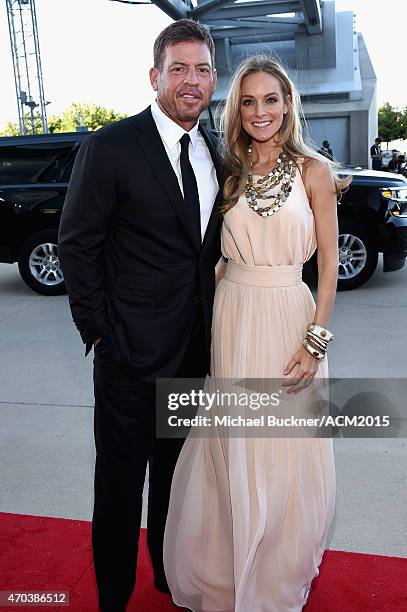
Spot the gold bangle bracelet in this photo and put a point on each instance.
(316, 347)
(316, 340)
(314, 352)
(321, 332)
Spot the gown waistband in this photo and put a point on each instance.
(263, 276)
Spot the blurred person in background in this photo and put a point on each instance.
(395, 162)
(326, 150)
(376, 154)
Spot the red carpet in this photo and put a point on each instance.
(49, 554)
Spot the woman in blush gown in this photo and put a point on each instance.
(248, 517)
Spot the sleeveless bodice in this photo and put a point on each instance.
(285, 238)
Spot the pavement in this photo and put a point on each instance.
(46, 411)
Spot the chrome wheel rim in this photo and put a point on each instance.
(352, 256)
(44, 264)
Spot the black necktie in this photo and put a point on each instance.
(191, 196)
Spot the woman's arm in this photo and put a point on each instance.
(84, 227)
(321, 191)
(320, 187)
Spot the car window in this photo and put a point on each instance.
(33, 163)
(67, 171)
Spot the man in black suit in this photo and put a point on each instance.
(139, 240)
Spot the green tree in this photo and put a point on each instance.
(403, 123)
(391, 123)
(90, 115)
(10, 129)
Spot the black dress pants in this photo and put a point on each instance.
(124, 425)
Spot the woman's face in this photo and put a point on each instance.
(262, 106)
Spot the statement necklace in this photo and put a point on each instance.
(282, 175)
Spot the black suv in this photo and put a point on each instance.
(34, 175)
(372, 217)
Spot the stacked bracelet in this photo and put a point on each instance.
(320, 332)
(316, 340)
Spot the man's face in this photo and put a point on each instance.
(185, 83)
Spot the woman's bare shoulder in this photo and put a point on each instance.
(317, 177)
(315, 166)
(316, 172)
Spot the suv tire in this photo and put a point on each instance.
(354, 236)
(39, 263)
(357, 256)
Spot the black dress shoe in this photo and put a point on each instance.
(162, 586)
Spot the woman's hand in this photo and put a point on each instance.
(308, 366)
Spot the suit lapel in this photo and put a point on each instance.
(214, 155)
(153, 147)
(213, 223)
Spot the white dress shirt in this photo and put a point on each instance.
(199, 156)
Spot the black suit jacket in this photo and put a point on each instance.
(131, 265)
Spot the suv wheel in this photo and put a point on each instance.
(39, 263)
(357, 256)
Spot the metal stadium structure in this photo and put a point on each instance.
(319, 47)
(25, 49)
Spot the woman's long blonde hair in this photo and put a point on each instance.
(235, 141)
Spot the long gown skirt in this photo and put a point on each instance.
(249, 517)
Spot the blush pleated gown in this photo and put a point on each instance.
(248, 517)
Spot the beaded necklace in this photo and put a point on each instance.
(283, 175)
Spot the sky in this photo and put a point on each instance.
(99, 51)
